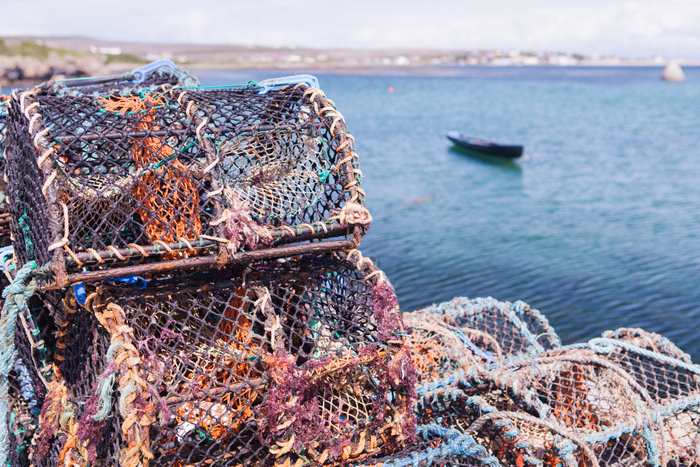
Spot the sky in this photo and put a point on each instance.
(642, 28)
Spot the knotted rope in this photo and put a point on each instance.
(16, 296)
(135, 404)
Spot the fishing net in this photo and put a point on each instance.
(34, 343)
(287, 363)
(151, 77)
(462, 335)
(186, 176)
(5, 236)
(494, 376)
(669, 380)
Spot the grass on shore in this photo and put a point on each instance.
(31, 49)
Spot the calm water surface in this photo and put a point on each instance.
(597, 226)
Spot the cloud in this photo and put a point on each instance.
(631, 28)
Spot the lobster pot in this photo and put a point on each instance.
(436, 446)
(4, 214)
(504, 431)
(668, 377)
(464, 335)
(515, 330)
(657, 365)
(438, 352)
(154, 181)
(520, 430)
(590, 399)
(28, 378)
(269, 364)
(152, 77)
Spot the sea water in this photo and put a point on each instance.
(597, 226)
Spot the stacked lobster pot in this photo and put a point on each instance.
(196, 251)
(5, 236)
(496, 387)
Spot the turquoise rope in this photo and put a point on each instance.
(249, 84)
(455, 443)
(16, 296)
(603, 346)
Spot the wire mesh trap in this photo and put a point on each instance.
(5, 236)
(628, 398)
(516, 329)
(668, 378)
(281, 363)
(33, 345)
(463, 335)
(179, 177)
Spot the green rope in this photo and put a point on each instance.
(16, 296)
(248, 85)
(86, 78)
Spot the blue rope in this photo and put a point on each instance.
(486, 355)
(605, 346)
(16, 296)
(473, 310)
(455, 443)
(26, 387)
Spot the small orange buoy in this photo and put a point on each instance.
(391, 88)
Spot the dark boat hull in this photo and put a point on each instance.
(486, 148)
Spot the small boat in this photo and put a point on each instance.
(485, 147)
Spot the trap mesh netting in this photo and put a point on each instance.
(4, 215)
(289, 349)
(302, 362)
(151, 78)
(514, 396)
(3, 123)
(178, 176)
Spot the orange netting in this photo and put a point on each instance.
(428, 355)
(571, 405)
(169, 200)
(224, 418)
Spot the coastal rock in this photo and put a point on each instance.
(673, 72)
(18, 68)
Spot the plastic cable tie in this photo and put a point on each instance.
(79, 292)
(140, 73)
(278, 83)
(138, 282)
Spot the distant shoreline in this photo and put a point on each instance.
(425, 69)
(37, 59)
(407, 71)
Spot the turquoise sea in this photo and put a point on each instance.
(598, 227)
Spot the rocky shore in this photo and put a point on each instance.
(31, 59)
(21, 68)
